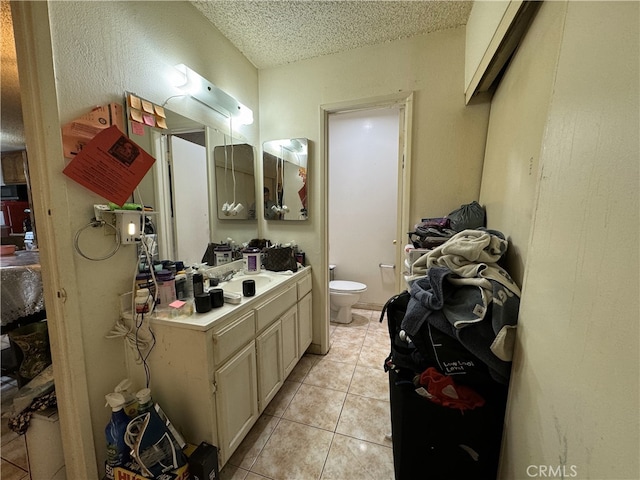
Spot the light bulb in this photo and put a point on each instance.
(131, 230)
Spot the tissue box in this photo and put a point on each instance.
(203, 462)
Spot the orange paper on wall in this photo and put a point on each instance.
(110, 165)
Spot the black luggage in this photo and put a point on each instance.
(431, 441)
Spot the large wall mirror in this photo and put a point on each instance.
(285, 179)
(187, 187)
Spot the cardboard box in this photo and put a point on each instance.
(76, 134)
(203, 462)
(130, 472)
(44, 445)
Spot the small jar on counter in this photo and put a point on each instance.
(223, 254)
(143, 300)
(166, 287)
(251, 260)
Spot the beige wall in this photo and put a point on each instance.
(574, 390)
(518, 117)
(448, 138)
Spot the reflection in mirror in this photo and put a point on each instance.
(181, 184)
(285, 179)
(235, 181)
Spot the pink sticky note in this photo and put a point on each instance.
(149, 120)
(137, 128)
(177, 304)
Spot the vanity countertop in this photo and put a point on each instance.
(205, 321)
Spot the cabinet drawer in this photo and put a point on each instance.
(271, 310)
(304, 286)
(231, 337)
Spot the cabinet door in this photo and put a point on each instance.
(236, 400)
(305, 328)
(13, 168)
(289, 323)
(270, 371)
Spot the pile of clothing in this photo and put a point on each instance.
(460, 289)
(452, 336)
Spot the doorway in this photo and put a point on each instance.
(367, 156)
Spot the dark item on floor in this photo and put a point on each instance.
(436, 442)
(431, 440)
(203, 462)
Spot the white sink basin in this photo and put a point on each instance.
(235, 284)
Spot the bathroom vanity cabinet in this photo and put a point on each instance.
(215, 373)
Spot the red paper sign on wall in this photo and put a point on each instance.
(110, 165)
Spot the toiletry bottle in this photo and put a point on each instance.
(181, 285)
(189, 286)
(198, 283)
(143, 300)
(117, 450)
(166, 287)
(130, 402)
(145, 402)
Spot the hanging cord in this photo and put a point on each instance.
(96, 223)
(282, 180)
(132, 336)
(233, 170)
(226, 195)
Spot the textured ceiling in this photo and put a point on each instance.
(271, 33)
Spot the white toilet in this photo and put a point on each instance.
(343, 295)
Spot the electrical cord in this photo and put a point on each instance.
(132, 334)
(96, 223)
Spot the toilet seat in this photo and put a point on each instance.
(345, 286)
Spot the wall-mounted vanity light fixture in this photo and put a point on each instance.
(207, 93)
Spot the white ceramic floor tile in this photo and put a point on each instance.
(344, 353)
(370, 382)
(330, 374)
(294, 451)
(231, 472)
(283, 398)
(254, 442)
(353, 459)
(303, 366)
(315, 406)
(366, 418)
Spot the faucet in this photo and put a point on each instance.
(225, 277)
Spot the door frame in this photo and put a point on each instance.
(405, 101)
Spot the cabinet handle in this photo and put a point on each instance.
(385, 265)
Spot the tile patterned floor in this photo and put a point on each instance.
(331, 419)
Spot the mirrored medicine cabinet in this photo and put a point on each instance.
(285, 170)
(198, 169)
